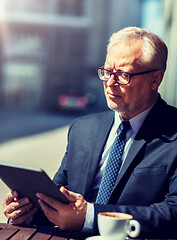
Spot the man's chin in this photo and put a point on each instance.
(116, 107)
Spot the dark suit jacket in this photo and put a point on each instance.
(147, 184)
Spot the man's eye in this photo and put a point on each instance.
(124, 75)
(106, 74)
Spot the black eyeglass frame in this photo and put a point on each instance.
(129, 74)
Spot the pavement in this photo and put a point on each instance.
(18, 123)
(33, 139)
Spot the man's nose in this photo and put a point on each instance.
(112, 81)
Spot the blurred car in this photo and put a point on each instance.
(72, 102)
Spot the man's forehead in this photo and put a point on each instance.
(127, 41)
(122, 55)
(135, 45)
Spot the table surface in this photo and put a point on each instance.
(12, 232)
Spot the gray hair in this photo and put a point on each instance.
(154, 50)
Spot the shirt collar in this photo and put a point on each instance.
(135, 122)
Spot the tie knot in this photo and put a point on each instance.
(125, 125)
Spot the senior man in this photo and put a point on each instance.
(122, 160)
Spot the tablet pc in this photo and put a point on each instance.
(28, 181)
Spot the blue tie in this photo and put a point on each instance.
(113, 164)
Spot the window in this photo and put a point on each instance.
(70, 7)
(152, 13)
(27, 5)
(22, 43)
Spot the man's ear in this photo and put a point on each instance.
(158, 76)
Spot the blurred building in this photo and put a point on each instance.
(169, 85)
(49, 52)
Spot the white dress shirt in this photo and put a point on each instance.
(135, 123)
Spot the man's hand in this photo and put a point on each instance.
(18, 211)
(66, 216)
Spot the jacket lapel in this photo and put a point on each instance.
(101, 135)
(134, 150)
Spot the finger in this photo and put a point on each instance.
(24, 217)
(8, 199)
(20, 211)
(71, 196)
(48, 211)
(49, 200)
(15, 194)
(15, 205)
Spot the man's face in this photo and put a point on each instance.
(129, 100)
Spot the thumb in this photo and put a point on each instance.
(15, 195)
(71, 196)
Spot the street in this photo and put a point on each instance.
(17, 123)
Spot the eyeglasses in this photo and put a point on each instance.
(121, 77)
